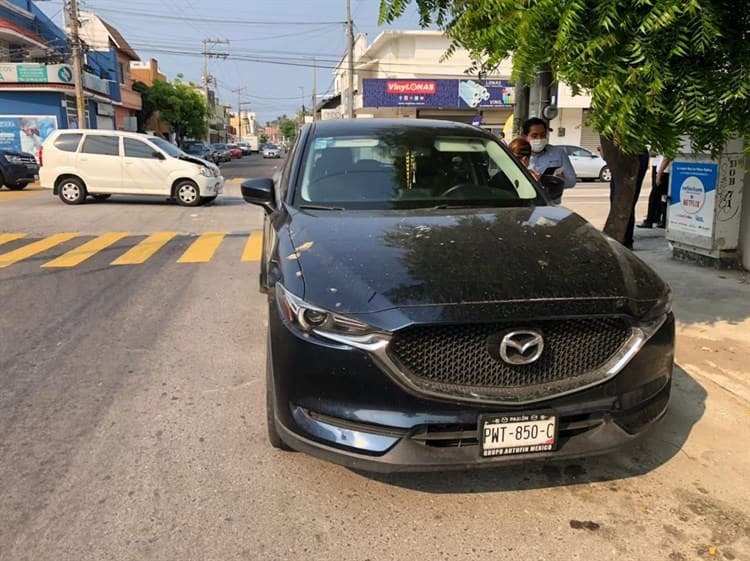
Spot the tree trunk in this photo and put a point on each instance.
(624, 168)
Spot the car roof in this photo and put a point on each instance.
(126, 134)
(345, 127)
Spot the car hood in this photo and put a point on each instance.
(363, 262)
(199, 161)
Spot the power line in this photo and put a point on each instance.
(215, 20)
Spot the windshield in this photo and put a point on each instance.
(219, 147)
(271, 147)
(408, 169)
(168, 147)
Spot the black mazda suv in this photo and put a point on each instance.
(429, 308)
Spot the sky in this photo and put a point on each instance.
(285, 33)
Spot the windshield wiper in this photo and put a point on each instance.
(321, 207)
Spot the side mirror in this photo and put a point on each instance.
(158, 155)
(259, 192)
(553, 186)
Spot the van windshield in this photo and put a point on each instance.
(168, 147)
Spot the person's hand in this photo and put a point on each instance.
(658, 179)
(535, 175)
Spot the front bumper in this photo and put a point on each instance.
(335, 403)
(210, 186)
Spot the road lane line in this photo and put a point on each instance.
(5, 238)
(203, 249)
(34, 248)
(253, 247)
(145, 249)
(80, 254)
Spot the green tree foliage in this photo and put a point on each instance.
(655, 69)
(288, 128)
(180, 105)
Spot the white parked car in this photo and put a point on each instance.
(588, 165)
(78, 163)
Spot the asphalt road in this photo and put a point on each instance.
(132, 422)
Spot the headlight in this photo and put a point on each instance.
(205, 171)
(14, 159)
(661, 307)
(311, 320)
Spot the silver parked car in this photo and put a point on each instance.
(271, 151)
(588, 165)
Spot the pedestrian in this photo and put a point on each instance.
(521, 149)
(656, 215)
(547, 159)
(643, 159)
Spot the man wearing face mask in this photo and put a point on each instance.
(546, 159)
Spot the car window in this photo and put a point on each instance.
(137, 149)
(580, 152)
(68, 142)
(166, 146)
(101, 144)
(412, 169)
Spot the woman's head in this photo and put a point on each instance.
(521, 149)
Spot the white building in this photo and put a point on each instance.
(405, 74)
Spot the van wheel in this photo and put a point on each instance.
(605, 174)
(101, 197)
(72, 191)
(187, 193)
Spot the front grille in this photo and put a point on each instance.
(462, 360)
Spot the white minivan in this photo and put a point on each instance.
(77, 163)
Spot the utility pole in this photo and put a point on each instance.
(206, 78)
(75, 40)
(314, 90)
(350, 72)
(239, 91)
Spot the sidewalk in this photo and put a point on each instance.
(712, 307)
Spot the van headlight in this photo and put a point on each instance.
(312, 320)
(206, 171)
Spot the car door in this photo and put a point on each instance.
(144, 169)
(584, 163)
(99, 163)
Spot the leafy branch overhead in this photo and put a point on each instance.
(655, 69)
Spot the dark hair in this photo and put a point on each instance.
(532, 122)
(520, 147)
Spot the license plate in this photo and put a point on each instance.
(523, 433)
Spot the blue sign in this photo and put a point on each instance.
(25, 133)
(692, 193)
(463, 94)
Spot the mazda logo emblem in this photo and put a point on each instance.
(522, 346)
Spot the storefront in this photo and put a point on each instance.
(488, 103)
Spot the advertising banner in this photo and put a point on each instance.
(693, 198)
(25, 133)
(449, 94)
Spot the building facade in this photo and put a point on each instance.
(37, 92)
(147, 72)
(109, 55)
(403, 74)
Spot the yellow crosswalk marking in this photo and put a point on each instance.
(203, 249)
(7, 259)
(141, 252)
(5, 238)
(253, 247)
(90, 248)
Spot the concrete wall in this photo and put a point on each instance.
(34, 103)
(745, 219)
(571, 120)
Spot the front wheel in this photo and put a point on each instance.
(187, 193)
(605, 174)
(18, 186)
(72, 191)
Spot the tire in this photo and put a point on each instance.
(72, 191)
(273, 435)
(207, 200)
(605, 174)
(186, 193)
(17, 186)
(101, 197)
